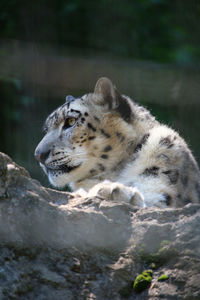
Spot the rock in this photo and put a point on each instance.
(54, 246)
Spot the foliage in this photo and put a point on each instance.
(163, 277)
(158, 30)
(143, 281)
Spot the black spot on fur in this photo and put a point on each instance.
(91, 127)
(153, 171)
(124, 108)
(57, 153)
(77, 111)
(173, 175)
(56, 160)
(91, 137)
(141, 143)
(168, 199)
(120, 136)
(92, 171)
(86, 114)
(166, 141)
(107, 135)
(96, 119)
(104, 156)
(107, 148)
(101, 167)
(83, 120)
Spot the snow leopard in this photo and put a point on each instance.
(109, 146)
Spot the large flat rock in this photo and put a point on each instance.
(54, 246)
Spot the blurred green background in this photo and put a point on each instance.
(48, 49)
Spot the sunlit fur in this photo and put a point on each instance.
(115, 139)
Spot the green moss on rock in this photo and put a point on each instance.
(163, 277)
(143, 281)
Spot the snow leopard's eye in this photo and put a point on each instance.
(69, 122)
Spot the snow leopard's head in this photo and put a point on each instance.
(86, 136)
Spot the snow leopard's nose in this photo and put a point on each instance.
(41, 156)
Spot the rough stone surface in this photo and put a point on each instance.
(56, 247)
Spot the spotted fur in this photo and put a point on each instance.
(112, 138)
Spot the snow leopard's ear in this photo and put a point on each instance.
(106, 93)
(108, 96)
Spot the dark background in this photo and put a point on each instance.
(48, 49)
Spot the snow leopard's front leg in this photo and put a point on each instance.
(117, 192)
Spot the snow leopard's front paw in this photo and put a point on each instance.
(118, 192)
